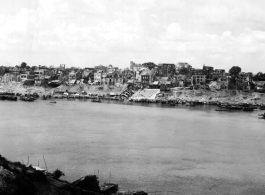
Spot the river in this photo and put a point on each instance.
(158, 149)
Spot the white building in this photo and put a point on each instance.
(98, 76)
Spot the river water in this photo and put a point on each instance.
(153, 148)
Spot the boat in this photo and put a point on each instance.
(109, 188)
(225, 110)
(96, 100)
(234, 107)
(27, 98)
(190, 104)
(8, 97)
(140, 193)
(248, 109)
(262, 116)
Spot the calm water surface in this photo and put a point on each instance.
(138, 147)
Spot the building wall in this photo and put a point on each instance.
(145, 79)
(198, 79)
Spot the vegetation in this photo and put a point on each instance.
(234, 72)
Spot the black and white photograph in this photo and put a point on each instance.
(132, 97)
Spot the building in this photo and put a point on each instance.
(72, 77)
(23, 76)
(223, 82)
(197, 71)
(134, 66)
(165, 70)
(198, 79)
(208, 71)
(8, 77)
(145, 80)
(39, 74)
(98, 77)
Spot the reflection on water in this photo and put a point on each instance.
(139, 146)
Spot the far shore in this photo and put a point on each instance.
(229, 96)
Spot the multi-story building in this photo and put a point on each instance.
(208, 70)
(145, 80)
(223, 82)
(7, 77)
(98, 77)
(165, 70)
(23, 76)
(198, 79)
(39, 74)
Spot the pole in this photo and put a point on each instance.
(45, 163)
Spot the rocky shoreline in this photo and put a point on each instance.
(19, 179)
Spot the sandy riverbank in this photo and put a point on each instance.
(20, 88)
(230, 96)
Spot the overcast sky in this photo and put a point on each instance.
(85, 33)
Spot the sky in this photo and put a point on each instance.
(86, 33)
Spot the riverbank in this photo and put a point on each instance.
(19, 179)
(182, 95)
(204, 96)
(16, 179)
(16, 87)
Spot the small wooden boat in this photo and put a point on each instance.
(27, 98)
(234, 107)
(224, 110)
(96, 100)
(109, 188)
(248, 109)
(190, 104)
(140, 193)
(262, 116)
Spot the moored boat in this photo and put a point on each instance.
(262, 116)
(96, 100)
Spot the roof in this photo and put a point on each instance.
(155, 83)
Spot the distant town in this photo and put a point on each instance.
(147, 75)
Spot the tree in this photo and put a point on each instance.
(259, 74)
(23, 65)
(234, 71)
(183, 71)
(149, 65)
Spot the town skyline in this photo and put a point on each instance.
(88, 33)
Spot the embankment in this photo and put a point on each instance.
(18, 179)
